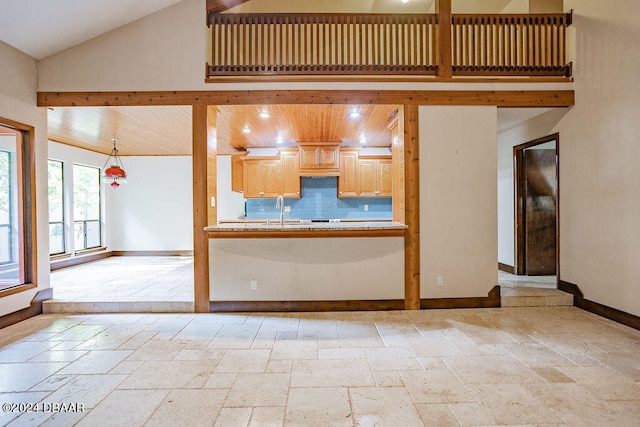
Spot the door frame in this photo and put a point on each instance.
(518, 184)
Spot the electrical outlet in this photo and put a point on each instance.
(213, 202)
(287, 208)
(440, 281)
(366, 208)
(254, 284)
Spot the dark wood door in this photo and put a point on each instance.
(540, 200)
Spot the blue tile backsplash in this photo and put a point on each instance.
(320, 201)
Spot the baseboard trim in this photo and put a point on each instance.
(152, 253)
(492, 300)
(304, 306)
(77, 260)
(506, 268)
(34, 309)
(600, 309)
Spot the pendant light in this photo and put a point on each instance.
(114, 174)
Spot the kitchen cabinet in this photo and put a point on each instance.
(348, 180)
(319, 159)
(289, 160)
(262, 177)
(375, 177)
(237, 171)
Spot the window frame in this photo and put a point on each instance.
(86, 249)
(62, 222)
(26, 200)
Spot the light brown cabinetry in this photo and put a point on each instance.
(290, 175)
(348, 180)
(365, 177)
(319, 159)
(262, 177)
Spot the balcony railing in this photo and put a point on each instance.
(377, 44)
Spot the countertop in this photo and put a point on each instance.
(307, 229)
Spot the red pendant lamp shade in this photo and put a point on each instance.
(114, 175)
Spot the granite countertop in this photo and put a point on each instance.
(302, 225)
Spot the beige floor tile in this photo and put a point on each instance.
(222, 381)
(235, 336)
(341, 353)
(318, 406)
(491, 369)
(233, 417)
(188, 408)
(387, 379)
(17, 377)
(471, 414)
(86, 389)
(161, 374)
(14, 399)
(293, 350)
(238, 361)
(125, 408)
(59, 356)
(435, 386)
(604, 382)
(331, 373)
(432, 347)
(96, 362)
(267, 417)
(511, 404)
(436, 415)
(280, 366)
(398, 409)
(392, 359)
(536, 355)
(24, 351)
(269, 389)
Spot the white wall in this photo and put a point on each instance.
(230, 203)
(458, 201)
(18, 81)
(153, 211)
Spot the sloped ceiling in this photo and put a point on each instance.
(41, 28)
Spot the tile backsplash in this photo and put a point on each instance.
(320, 201)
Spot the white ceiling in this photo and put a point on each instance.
(43, 27)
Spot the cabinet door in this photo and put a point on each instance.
(348, 180)
(385, 179)
(271, 178)
(328, 157)
(252, 178)
(367, 177)
(237, 173)
(290, 175)
(309, 157)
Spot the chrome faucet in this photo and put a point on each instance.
(280, 204)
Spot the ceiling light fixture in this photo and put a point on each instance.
(363, 139)
(115, 173)
(354, 114)
(405, 1)
(246, 129)
(265, 114)
(279, 140)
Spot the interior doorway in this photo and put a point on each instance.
(536, 178)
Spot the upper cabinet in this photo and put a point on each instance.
(319, 159)
(290, 176)
(348, 179)
(262, 177)
(364, 176)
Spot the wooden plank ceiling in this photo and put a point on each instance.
(166, 130)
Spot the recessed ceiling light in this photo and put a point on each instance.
(363, 139)
(279, 140)
(354, 114)
(265, 114)
(246, 129)
(405, 1)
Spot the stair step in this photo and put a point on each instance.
(53, 306)
(534, 297)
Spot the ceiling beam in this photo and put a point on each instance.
(217, 6)
(506, 98)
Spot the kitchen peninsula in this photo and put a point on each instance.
(269, 265)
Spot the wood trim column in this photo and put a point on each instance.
(212, 160)
(200, 210)
(412, 209)
(443, 10)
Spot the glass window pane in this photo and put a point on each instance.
(10, 251)
(93, 234)
(78, 236)
(86, 193)
(56, 238)
(56, 200)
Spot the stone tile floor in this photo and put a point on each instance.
(502, 366)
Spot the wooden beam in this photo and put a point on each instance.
(507, 98)
(443, 10)
(200, 214)
(217, 6)
(412, 209)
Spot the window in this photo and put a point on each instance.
(86, 207)
(17, 205)
(56, 208)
